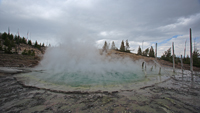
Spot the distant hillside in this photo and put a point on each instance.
(10, 44)
(17, 60)
(134, 57)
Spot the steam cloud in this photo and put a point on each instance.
(77, 61)
(81, 62)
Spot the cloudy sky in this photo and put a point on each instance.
(147, 21)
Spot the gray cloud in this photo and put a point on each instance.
(151, 21)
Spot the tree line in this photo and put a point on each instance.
(146, 52)
(9, 41)
(167, 56)
(123, 47)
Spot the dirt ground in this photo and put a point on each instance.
(15, 60)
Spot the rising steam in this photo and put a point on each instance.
(79, 62)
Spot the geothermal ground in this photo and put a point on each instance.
(177, 94)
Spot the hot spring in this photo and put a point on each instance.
(82, 68)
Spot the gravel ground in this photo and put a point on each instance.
(178, 94)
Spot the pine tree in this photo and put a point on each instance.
(196, 60)
(10, 36)
(36, 44)
(4, 35)
(9, 50)
(139, 51)
(7, 42)
(105, 47)
(113, 45)
(29, 52)
(16, 37)
(127, 46)
(12, 43)
(151, 52)
(29, 42)
(24, 52)
(24, 40)
(167, 55)
(186, 60)
(33, 53)
(122, 47)
(146, 52)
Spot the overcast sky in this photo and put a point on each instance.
(151, 21)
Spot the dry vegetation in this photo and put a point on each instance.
(151, 60)
(15, 60)
(38, 52)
